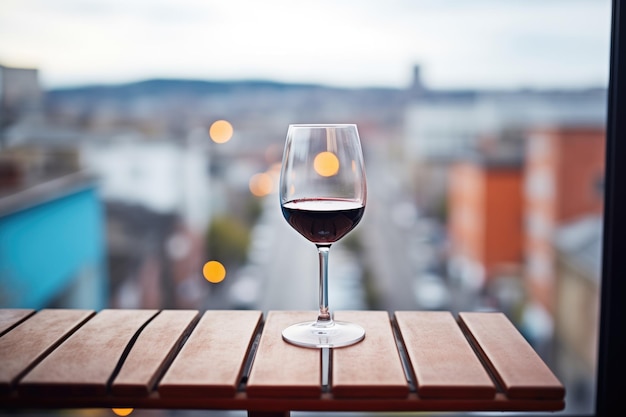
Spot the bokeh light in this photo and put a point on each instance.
(221, 131)
(326, 164)
(122, 411)
(261, 184)
(214, 272)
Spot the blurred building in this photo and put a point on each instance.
(529, 231)
(442, 125)
(507, 208)
(52, 245)
(485, 216)
(52, 218)
(578, 254)
(564, 182)
(21, 97)
(158, 208)
(564, 198)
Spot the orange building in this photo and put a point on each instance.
(564, 181)
(485, 213)
(506, 213)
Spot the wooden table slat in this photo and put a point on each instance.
(115, 357)
(444, 363)
(84, 363)
(517, 367)
(211, 361)
(373, 367)
(281, 369)
(152, 352)
(10, 317)
(44, 331)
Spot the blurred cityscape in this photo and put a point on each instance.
(117, 196)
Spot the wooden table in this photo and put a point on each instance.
(185, 359)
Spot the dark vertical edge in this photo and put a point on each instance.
(407, 367)
(129, 345)
(121, 390)
(481, 355)
(184, 336)
(611, 360)
(251, 354)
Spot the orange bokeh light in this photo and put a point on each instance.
(122, 412)
(221, 131)
(326, 164)
(214, 272)
(261, 184)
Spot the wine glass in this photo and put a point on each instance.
(322, 195)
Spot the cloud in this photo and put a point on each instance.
(345, 42)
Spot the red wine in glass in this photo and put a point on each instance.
(323, 220)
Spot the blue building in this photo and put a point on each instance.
(53, 245)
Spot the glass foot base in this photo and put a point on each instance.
(311, 335)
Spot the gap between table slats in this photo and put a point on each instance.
(44, 331)
(282, 370)
(372, 368)
(85, 362)
(11, 317)
(443, 362)
(152, 351)
(157, 337)
(510, 358)
(211, 361)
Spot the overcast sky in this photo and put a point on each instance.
(458, 43)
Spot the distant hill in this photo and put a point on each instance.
(173, 86)
(194, 87)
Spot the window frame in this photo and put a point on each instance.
(611, 361)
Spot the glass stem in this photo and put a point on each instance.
(324, 318)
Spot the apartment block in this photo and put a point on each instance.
(563, 184)
(505, 213)
(485, 214)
